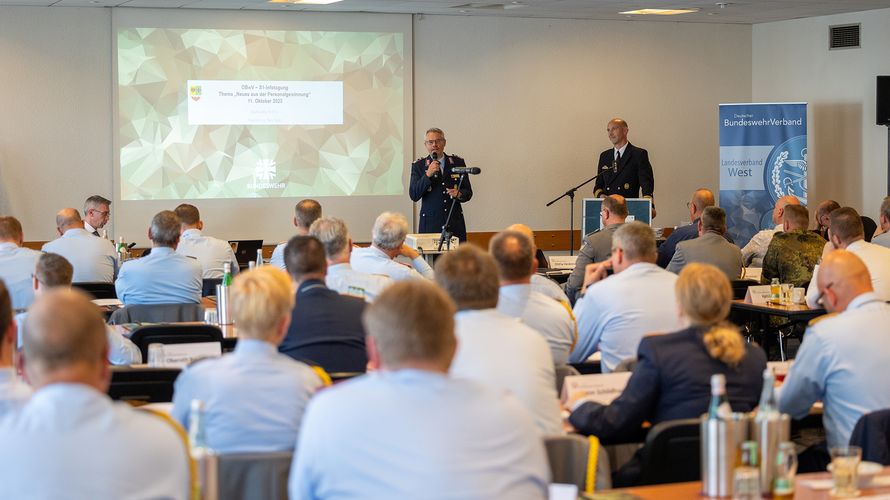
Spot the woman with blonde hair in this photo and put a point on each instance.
(673, 372)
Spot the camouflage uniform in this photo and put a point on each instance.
(792, 256)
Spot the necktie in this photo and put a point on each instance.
(96, 233)
(617, 159)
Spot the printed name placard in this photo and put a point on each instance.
(759, 294)
(180, 355)
(563, 261)
(602, 388)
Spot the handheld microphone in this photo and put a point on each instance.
(466, 170)
(435, 158)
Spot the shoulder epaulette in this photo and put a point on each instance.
(820, 318)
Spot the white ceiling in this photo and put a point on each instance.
(711, 11)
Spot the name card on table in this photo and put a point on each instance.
(180, 355)
(759, 294)
(602, 388)
(563, 261)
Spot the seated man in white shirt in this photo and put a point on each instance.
(13, 391)
(164, 276)
(883, 238)
(514, 254)
(843, 356)
(846, 233)
(408, 430)
(341, 277)
(70, 440)
(755, 250)
(210, 252)
(615, 312)
(540, 284)
(495, 349)
(94, 259)
(254, 398)
(388, 242)
(96, 212)
(54, 271)
(16, 263)
(305, 213)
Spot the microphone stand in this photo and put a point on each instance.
(571, 194)
(446, 228)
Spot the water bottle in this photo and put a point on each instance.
(227, 274)
(259, 257)
(719, 408)
(203, 455)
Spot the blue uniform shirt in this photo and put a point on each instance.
(162, 277)
(413, 434)
(254, 398)
(17, 264)
(93, 259)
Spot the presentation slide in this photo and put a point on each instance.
(220, 114)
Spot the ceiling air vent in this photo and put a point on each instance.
(843, 36)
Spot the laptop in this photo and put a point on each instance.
(245, 250)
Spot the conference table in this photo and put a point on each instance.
(815, 486)
(760, 314)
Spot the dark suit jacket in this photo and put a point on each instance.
(326, 329)
(434, 200)
(672, 380)
(634, 174)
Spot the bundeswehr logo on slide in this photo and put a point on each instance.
(195, 92)
(785, 171)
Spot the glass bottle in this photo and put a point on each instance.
(259, 257)
(719, 408)
(227, 274)
(746, 476)
(775, 290)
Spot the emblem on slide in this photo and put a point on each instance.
(265, 170)
(195, 92)
(786, 170)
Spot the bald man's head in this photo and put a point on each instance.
(68, 218)
(779, 211)
(514, 254)
(702, 198)
(842, 277)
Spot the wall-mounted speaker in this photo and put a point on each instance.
(883, 100)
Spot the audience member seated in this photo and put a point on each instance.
(341, 277)
(210, 252)
(70, 440)
(794, 252)
(387, 243)
(843, 356)
(16, 263)
(254, 398)
(13, 391)
(883, 238)
(495, 349)
(408, 430)
(597, 245)
(823, 217)
(164, 276)
(326, 327)
(305, 213)
(615, 312)
(94, 259)
(673, 372)
(702, 198)
(846, 233)
(515, 257)
(710, 247)
(755, 250)
(96, 212)
(541, 284)
(54, 271)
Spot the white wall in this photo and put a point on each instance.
(847, 152)
(525, 99)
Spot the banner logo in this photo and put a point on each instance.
(787, 170)
(195, 92)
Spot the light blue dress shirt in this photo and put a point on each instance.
(551, 318)
(17, 265)
(14, 392)
(616, 312)
(372, 260)
(71, 441)
(121, 350)
(842, 362)
(93, 259)
(417, 434)
(277, 258)
(212, 253)
(254, 398)
(345, 280)
(161, 277)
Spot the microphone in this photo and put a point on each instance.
(466, 170)
(435, 158)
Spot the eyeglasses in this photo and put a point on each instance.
(821, 299)
(100, 212)
(434, 141)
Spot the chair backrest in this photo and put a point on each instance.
(142, 385)
(254, 475)
(740, 288)
(872, 434)
(563, 371)
(869, 225)
(208, 286)
(98, 289)
(174, 334)
(672, 452)
(569, 457)
(157, 313)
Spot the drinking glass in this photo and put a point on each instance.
(156, 355)
(786, 469)
(786, 292)
(845, 470)
(211, 317)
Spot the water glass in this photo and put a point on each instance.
(211, 316)
(786, 469)
(155, 355)
(799, 295)
(845, 470)
(785, 290)
(746, 483)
